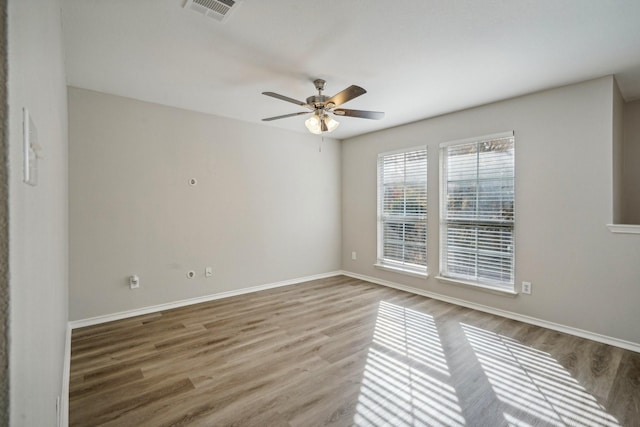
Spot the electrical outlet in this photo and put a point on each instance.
(208, 272)
(526, 288)
(354, 255)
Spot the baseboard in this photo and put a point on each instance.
(627, 345)
(63, 407)
(182, 303)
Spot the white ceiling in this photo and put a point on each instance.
(416, 58)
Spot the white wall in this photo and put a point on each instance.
(38, 215)
(631, 164)
(583, 276)
(266, 207)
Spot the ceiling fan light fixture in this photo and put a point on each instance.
(314, 124)
(331, 123)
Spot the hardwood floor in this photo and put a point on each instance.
(344, 352)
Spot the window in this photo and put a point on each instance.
(477, 217)
(402, 210)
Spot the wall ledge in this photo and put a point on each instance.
(624, 228)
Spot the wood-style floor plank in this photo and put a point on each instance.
(344, 352)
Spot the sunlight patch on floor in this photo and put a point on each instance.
(533, 382)
(405, 378)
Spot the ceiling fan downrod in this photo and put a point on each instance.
(317, 101)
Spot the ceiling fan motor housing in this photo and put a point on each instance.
(317, 101)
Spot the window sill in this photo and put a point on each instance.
(478, 286)
(401, 271)
(624, 228)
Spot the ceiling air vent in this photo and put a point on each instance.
(219, 10)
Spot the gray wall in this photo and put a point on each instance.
(38, 244)
(266, 207)
(617, 138)
(631, 164)
(583, 276)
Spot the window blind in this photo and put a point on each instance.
(402, 210)
(477, 218)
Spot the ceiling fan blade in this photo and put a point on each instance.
(286, 98)
(284, 116)
(375, 115)
(346, 95)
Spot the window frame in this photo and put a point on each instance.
(387, 263)
(444, 274)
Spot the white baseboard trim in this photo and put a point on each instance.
(627, 345)
(182, 303)
(63, 409)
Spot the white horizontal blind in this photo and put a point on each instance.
(402, 210)
(477, 235)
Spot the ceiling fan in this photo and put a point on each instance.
(320, 105)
